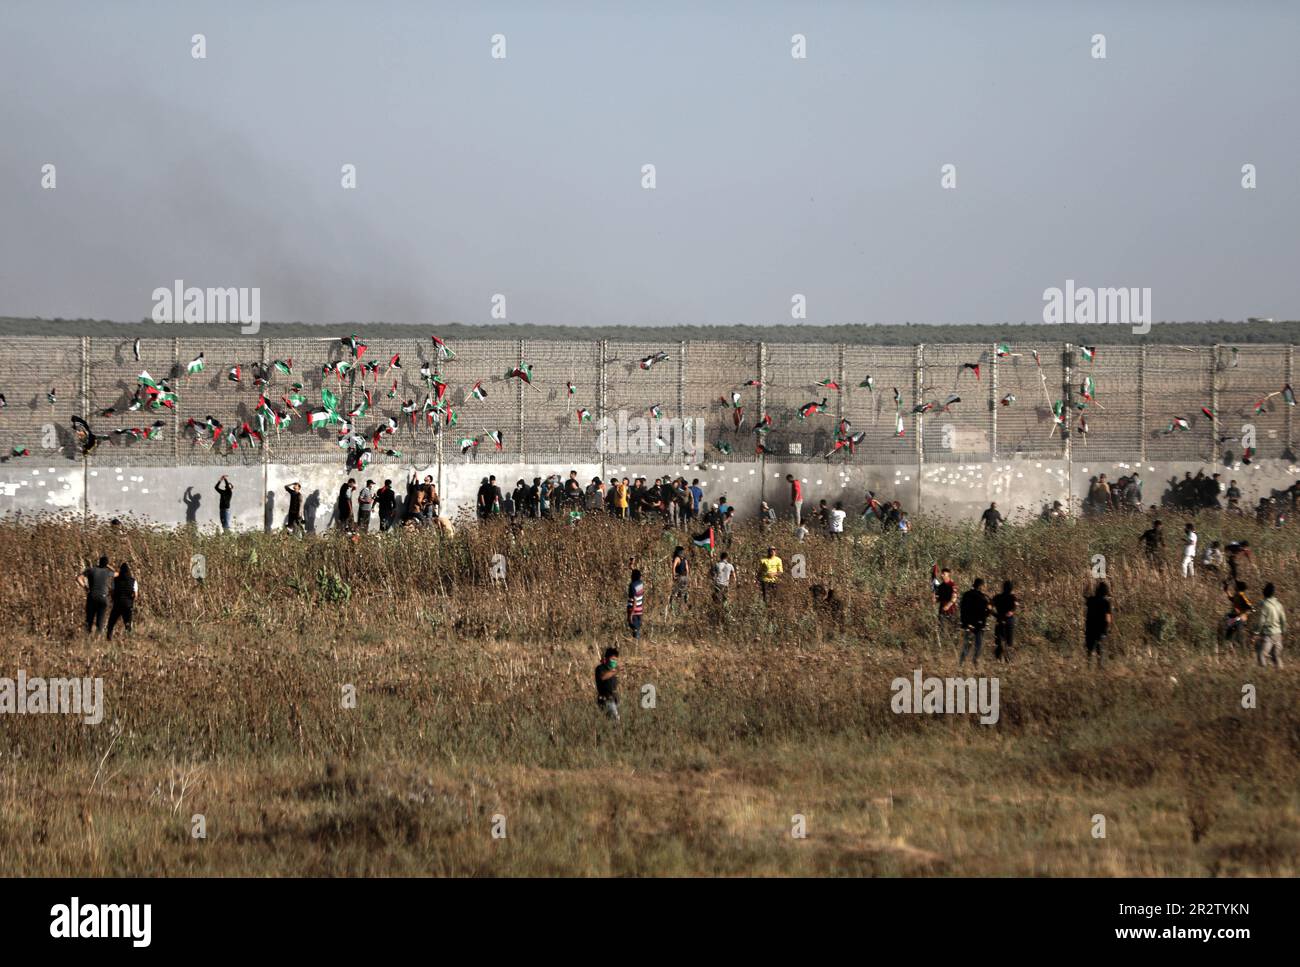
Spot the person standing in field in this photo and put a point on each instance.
(1189, 550)
(723, 572)
(98, 583)
(223, 497)
(945, 598)
(293, 521)
(975, 609)
(1270, 627)
(343, 510)
(1004, 622)
(387, 501)
(365, 502)
(991, 519)
(1097, 620)
(1238, 615)
(680, 569)
(770, 570)
(607, 683)
(125, 590)
(635, 603)
(1153, 542)
(796, 498)
(835, 520)
(621, 497)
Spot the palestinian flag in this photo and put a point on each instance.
(477, 392)
(1003, 350)
(954, 398)
(1177, 423)
(524, 372)
(1288, 395)
(233, 374)
(1261, 406)
(195, 365)
(657, 411)
(1209, 413)
(467, 444)
(1083, 425)
(1008, 399)
(353, 345)
(342, 368)
(704, 540)
(571, 388)
(445, 352)
(869, 384)
(811, 409)
(1088, 388)
(652, 360)
(737, 417)
(764, 423)
(265, 415)
(973, 367)
(922, 407)
(394, 363)
(584, 416)
(392, 393)
(898, 425)
(759, 449)
(753, 382)
(1247, 455)
(452, 417)
(372, 368)
(283, 366)
(1058, 411)
(20, 452)
(898, 399)
(1089, 353)
(829, 384)
(723, 447)
(144, 379)
(392, 453)
(494, 436)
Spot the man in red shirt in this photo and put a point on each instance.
(796, 498)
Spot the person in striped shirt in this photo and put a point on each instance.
(635, 603)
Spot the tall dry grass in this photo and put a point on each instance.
(475, 700)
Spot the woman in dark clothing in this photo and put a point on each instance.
(124, 592)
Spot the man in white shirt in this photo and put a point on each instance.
(1189, 551)
(724, 573)
(835, 519)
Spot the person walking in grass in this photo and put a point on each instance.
(1239, 612)
(680, 573)
(1097, 620)
(975, 609)
(1004, 621)
(723, 573)
(343, 509)
(607, 683)
(1270, 627)
(125, 591)
(945, 599)
(224, 493)
(386, 500)
(1189, 550)
(1153, 542)
(991, 519)
(97, 582)
(796, 498)
(770, 570)
(835, 520)
(635, 603)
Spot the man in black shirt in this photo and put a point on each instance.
(607, 683)
(386, 500)
(294, 521)
(97, 581)
(974, 616)
(224, 495)
(1004, 627)
(991, 519)
(1097, 620)
(344, 512)
(1153, 540)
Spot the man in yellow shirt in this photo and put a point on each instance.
(620, 498)
(770, 570)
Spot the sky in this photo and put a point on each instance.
(522, 176)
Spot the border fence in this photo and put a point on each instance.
(1155, 402)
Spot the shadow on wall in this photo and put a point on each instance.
(309, 509)
(192, 502)
(268, 513)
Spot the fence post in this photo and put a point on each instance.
(1290, 410)
(519, 403)
(762, 409)
(602, 347)
(1214, 401)
(1142, 404)
(1067, 373)
(918, 424)
(993, 404)
(85, 415)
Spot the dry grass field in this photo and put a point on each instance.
(474, 710)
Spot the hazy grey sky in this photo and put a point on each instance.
(775, 176)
